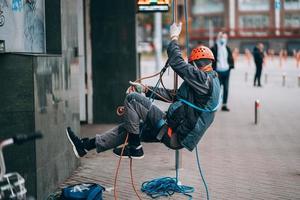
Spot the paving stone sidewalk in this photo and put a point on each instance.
(240, 160)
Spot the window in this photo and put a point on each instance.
(203, 21)
(292, 4)
(254, 5)
(292, 20)
(207, 6)
(254, 21)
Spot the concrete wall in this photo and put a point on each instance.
(57, 104)
(40, 92)
(113, 55)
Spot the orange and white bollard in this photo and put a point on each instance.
(298, 59)
(256, 111)
(280, 58)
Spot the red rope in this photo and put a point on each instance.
(132, 182)
(118, 167)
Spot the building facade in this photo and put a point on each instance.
(276, 23)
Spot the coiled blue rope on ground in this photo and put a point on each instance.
(165, 186)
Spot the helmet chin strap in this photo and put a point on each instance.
(195, 65)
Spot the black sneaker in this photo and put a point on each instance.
(76, 142)
(130, 152)
(224, 108)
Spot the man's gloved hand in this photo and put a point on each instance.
(175, 30)
(135, 87)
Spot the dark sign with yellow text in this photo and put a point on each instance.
(153, 5)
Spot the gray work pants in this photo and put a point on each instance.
(140, 117)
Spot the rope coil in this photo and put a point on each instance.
(165, 186)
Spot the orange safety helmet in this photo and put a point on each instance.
(201, 52)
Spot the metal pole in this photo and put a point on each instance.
(178, 160)
(266, 78)
(187, 38)
(298, 80)
(256, 113)
(158, 39)
(211, 33)
(246, 76)
(178, 154)
(175, 21)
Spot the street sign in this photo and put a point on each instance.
(153, 5)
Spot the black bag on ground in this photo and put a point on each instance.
(83, 191)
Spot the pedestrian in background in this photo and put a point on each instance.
(223, 64)
(258, 55)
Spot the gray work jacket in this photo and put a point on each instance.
(199, 88)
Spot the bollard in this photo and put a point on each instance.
(298, 80)
(246, 76)
(283, 79)
(266, 78)
(256, 108)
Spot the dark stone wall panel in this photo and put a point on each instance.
(20, 158)
(113, 55)
(15, 79)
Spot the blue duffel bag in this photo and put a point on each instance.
(83, 191)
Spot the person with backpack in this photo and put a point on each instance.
(188, 117)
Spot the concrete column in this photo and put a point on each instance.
(113, 56)
(88, 63)
(81, 59)
(277, 16)
(232, 17)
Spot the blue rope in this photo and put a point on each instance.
(165, 186)
(201, 174)
(201, 109)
